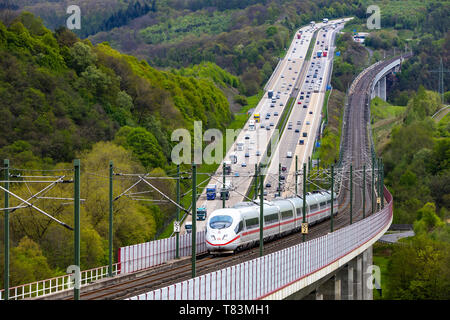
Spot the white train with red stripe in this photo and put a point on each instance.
(234, 228)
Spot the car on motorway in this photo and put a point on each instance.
(299, 102)
(283, 168)
(262, 126)
(310, 112)
(289, 154)
(243, 164)
(305, 134)
(268, 128)
(281, 103)
(282, 76)
(247, 154)
(268, 185)
(247, 137)
(236, 174)
(305, 106)
(275, 114)
(258, 153)
(297, 130)
(299, 122)
(282, 178)
(290, 68)
(308, 123)
(272, 124)
(301, 142)
(293, 78)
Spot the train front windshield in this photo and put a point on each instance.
(220, 222)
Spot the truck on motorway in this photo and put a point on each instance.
(211, 191)
(201, 213)
(270, 94)
(312, 23)
(325, 20)
(233, 158)
(251, 125)
(240, 146)
(257, 117)
(224, 193)
(299, 35)
(227, 167)
(188, 227)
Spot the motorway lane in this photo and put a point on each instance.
(309, 123)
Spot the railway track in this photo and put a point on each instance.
(356, 147)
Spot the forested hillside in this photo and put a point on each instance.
(63, 98)
(246, 38)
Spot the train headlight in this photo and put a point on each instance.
(214, 238)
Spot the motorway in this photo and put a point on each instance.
(305, 117)
(285, 83)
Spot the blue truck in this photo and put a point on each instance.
(211, 191)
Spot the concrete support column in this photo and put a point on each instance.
(383, 88)
(347, 281)
(378, 89)
(367, 261)
(358, 279)
(338, 286)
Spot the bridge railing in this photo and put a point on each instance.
(57, 284)
(261, 277)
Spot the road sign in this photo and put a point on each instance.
(305, 228)
(176, 226)
(378, 200)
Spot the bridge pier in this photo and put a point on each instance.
(349, 282)
(383, 88)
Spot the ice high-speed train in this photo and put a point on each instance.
(234, 228)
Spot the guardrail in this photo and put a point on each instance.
(260, 278)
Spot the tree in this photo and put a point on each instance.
(420, 270)
(27, 263)
(82, 56)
